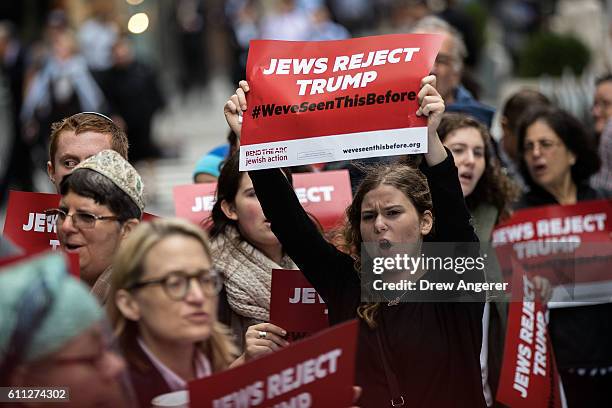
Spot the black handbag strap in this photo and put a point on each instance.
(397, 399)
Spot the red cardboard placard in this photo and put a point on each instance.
(529, 376)
(295, 305)
(149, 217)
(315, 372)
(569, 245)
(312, 102)
(194, 202)
(26, 224)
(324, 195)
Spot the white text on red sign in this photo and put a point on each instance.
(304, 194)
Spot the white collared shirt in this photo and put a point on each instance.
(176, 383)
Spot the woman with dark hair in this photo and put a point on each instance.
(244, 251)
(413, 353)
(557, 160)
(102, 201)
(489, 193)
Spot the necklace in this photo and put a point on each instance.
(395, 302)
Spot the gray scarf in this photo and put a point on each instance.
(247, 274)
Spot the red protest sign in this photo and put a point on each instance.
(149, 217)
(194, 202)
(295, 305)
(569, 245)
(312, 102)
(26, 223)
(324, 195)
(315, 372)
(529, 376)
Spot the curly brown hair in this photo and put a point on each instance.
(494, 187)
(409, 181)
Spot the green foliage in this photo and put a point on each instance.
(549, 54)
(479, 16)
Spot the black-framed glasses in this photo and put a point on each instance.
(81, 220)
(177, 284)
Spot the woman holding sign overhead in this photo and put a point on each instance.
(421, 354)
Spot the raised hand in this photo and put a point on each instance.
(432, 106)
(235, 107)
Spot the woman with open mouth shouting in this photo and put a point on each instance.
(421, 354)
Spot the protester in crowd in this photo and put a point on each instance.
(207, 169)
(558, 157)
(62, 88)
(133, 93)
(97, 35)
(77, 137)
(489, 195)
(245, 250)
(602, 104)
(423, 347)
(52, 335)
(167, 326)
(103, 197)
(513, 108)
(557, 160)
(448, 69)
(323, 28)
(286, 22)
(13, 62)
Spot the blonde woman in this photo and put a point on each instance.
(167, 325)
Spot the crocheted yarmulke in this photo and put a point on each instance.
(112, 165)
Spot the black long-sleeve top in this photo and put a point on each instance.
(433, 348)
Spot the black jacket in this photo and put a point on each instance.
(435, 346)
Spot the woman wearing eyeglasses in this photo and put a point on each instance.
(165, 306)
(102, 201)
(557, 159)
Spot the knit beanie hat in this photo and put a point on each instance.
(42, 307)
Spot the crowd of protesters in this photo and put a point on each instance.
(164, 302)
(92, 69)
